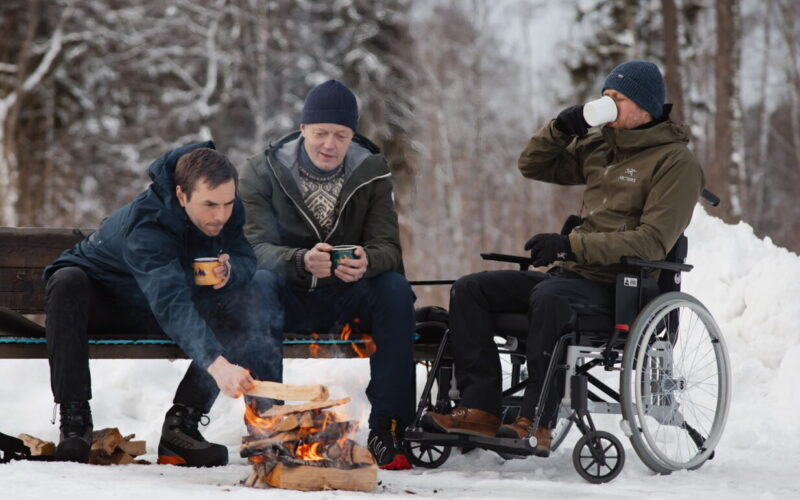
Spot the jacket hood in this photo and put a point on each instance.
(665, 132)
(162, 172)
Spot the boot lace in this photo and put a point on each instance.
(190, 421)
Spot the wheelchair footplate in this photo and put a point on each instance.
(430, 438)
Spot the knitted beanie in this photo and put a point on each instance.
(331, 102)
(642, 83)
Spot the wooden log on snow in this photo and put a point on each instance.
(106, 440)
(37, 446)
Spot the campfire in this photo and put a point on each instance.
(304, 446)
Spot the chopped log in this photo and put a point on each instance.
(37, 446)
(310, 478)
(133, 448)
(362, 455)
(287, 409)
(306, 421)
(106, 440)
(287, 392)
(119, 457)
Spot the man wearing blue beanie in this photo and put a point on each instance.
(323, 186)
(642, 183)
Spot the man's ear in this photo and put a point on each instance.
(181, 196)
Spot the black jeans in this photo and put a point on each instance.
(382, 306)
(546, 298)
(241, 320)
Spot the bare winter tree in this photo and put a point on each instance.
(727, 164)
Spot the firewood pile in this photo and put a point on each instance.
(305, 446)
(109, 447)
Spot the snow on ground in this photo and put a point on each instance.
(751, 286)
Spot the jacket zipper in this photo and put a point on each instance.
(338, 217)
(299, 209)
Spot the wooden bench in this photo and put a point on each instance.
(25, 252)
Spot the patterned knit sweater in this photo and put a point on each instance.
(320, 190)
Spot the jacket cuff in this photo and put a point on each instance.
(576, 244)
(299, 264)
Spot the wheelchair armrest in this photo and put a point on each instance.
(657, 264)
(523, 262)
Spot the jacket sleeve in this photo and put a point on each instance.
(243, 259)
(261, 226)
(551, 156)
(670, 202)
(381, 232)
(153, 258)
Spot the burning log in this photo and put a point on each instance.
(303, 447)
(278, 410)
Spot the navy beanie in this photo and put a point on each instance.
(331, 102)
(642, 83)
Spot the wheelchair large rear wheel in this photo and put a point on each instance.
(675, 383)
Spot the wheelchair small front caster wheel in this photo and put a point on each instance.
(598, 457)
(429, 456)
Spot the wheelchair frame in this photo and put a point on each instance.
(652, 391)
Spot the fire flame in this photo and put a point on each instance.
(363, 349)
(314, 348)
(309, 452)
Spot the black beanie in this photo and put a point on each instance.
(642, 83)
(331, 102)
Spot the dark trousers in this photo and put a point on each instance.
(546, 298)
(383, 307)
(241, 319)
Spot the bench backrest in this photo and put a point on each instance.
(24, 253)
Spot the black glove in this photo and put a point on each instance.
(549, 247)
(570, 121)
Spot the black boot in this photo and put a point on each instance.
(385, 442)
(182, 444)
(75, 440)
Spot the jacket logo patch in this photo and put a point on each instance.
(629, 175)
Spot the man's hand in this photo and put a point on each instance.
(232, 380)
(547, 248)
(350, 270)
(317, 261)
(571, 121)
(223, 271)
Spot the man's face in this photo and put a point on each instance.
(629, 114)
(326, 143)
(208, 209)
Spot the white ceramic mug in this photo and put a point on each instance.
(600, 111)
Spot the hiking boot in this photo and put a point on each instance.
(385, 442)
(75, 439)
(463, 421)
(520, 429)
(182, 444)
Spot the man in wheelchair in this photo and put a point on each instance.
(642, 183)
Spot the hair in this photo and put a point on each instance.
(204, 164)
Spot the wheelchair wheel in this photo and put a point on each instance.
(675, 383)
(598, 457)
(425, 455)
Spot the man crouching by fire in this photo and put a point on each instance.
(135, 274)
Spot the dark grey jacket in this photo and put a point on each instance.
(279, 224)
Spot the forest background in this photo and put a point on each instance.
(91, 91)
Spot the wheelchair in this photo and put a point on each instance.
(673, 366)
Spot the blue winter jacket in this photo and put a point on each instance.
(142, 255)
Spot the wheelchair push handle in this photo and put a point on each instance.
(523, 262)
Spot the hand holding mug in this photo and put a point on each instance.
(349, 269)
(317, 260)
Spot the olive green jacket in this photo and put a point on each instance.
(641, 188)
(279, 224)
